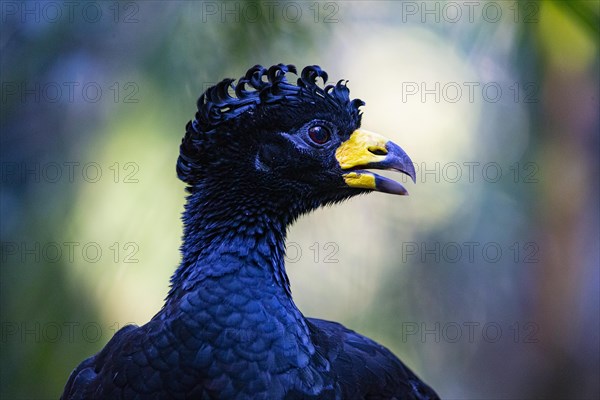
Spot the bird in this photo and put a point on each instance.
(259, 153)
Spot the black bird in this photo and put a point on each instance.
(260, 152)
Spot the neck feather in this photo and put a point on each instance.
(223, 234)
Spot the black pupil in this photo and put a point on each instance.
(319, 134)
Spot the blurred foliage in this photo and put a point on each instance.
(169, 52)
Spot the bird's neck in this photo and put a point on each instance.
(228, 234)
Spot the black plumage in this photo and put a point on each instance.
(259, 153)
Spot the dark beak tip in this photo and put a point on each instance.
(409, 168)
(387, 185)
(405, 163)
(413, 176)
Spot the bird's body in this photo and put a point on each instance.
(229, 328)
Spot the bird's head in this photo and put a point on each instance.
(264, 136)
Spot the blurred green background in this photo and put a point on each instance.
(485, 280)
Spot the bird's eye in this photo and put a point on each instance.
(319, 134)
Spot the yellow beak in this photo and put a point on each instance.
(369, 150)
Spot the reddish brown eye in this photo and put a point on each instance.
(319, 134)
